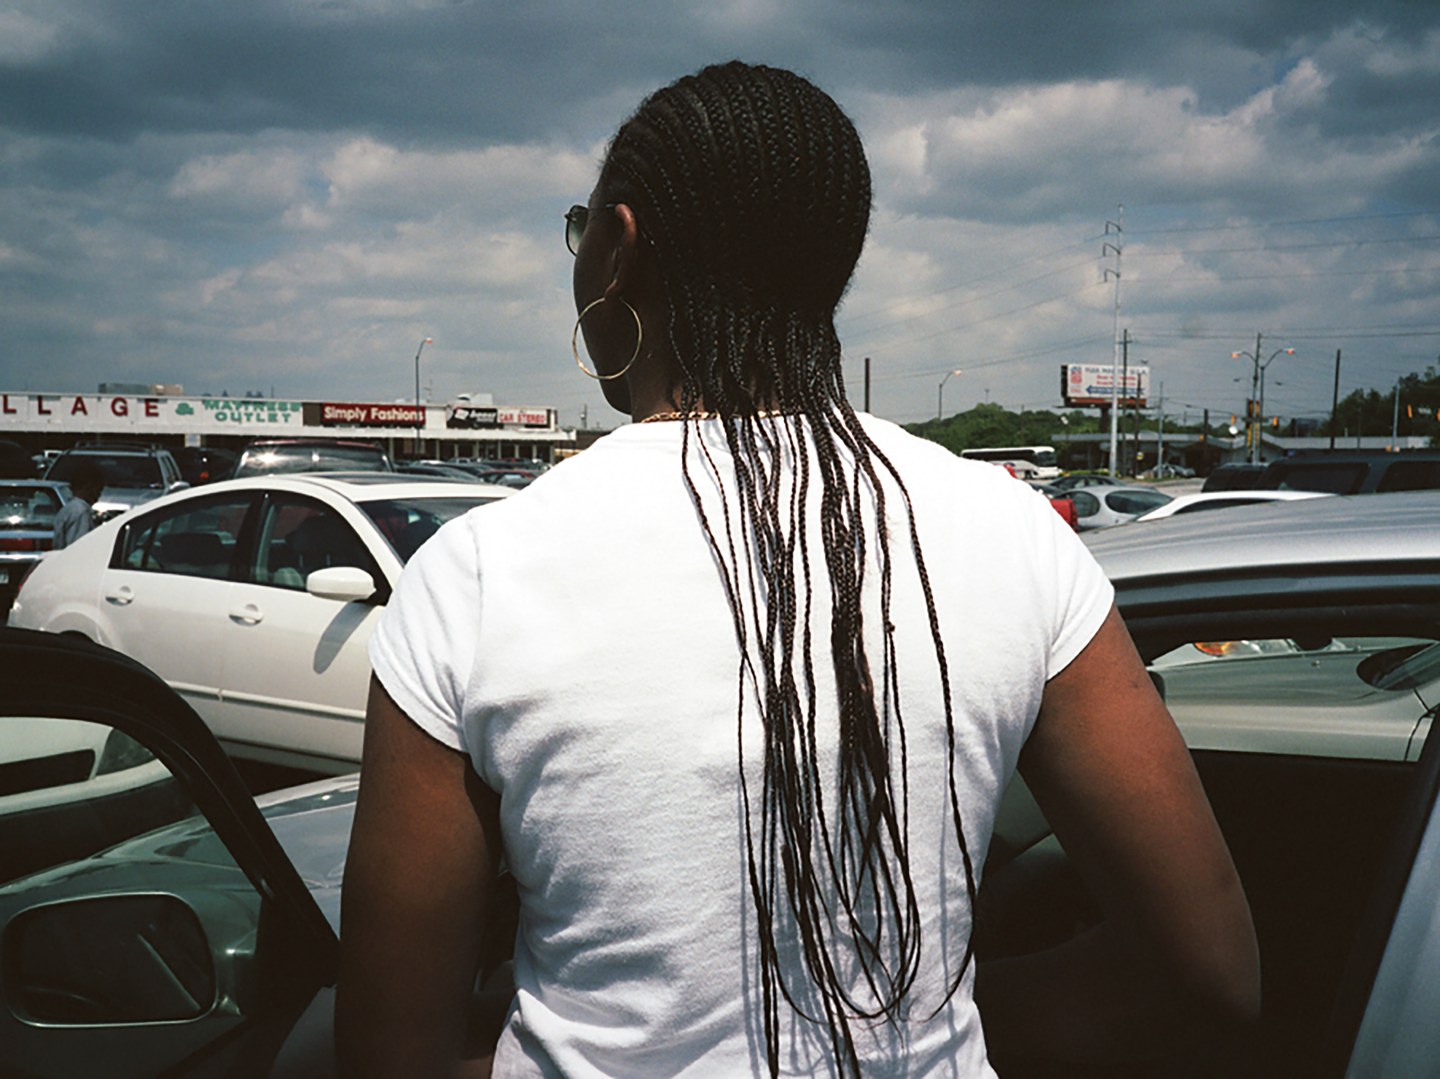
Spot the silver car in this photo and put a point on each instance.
(1107, 505)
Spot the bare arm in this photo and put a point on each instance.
(420, 886)
(1117, 784)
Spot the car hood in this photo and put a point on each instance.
(124, 498)
(312, 822)
(1291, 681)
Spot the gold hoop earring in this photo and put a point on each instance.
(575, 346)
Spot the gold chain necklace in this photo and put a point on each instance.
(661, 417)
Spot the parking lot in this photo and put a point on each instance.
(1295, 644)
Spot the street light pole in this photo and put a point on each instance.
(419, 413)
(940, 395)
(1255, 409)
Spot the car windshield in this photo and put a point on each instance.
(311, 459)
(126, 470)
(406, 523)
(27, 508)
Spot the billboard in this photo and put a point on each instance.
(1089, 385)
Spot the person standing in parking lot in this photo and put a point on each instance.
(737, 691)
(77, 516)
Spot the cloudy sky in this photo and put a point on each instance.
(288, 195)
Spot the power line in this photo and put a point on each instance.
(1251, 226)
(1213, 280)
(847, 320)
(973, 299)
(1169, 251)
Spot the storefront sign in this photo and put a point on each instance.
(365, 415)
(462, 414)
(524, 417)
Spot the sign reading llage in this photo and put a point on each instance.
(333, 414)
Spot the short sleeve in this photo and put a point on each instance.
(424, 646)
(1083, 594)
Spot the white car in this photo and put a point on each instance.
(1105, 505)
(254, 599)
(1204, 501)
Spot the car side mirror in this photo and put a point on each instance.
(108, 959)
(346, 583)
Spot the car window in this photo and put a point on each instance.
(1135, 501)
(406, 523)
(28, 508)
(194, 539)
(1086, 504)
(1336, 478)
(298, 536)
(121, 911)
(1364, 697)
(277, 459)
(1214, 504)
(121, 470)
(1410, 476)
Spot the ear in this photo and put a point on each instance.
(624, 255)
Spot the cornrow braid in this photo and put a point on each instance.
(754, 191)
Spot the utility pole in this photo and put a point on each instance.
(1254, 408)
(1118, 225)
(1395, 419)
(867, 383)
(1160, 431)
(1132, 436)
(1335, 401)
(1252, 429)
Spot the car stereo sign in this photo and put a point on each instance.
(463, 414)
(1091, 385)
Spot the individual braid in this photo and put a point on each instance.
(753, 190)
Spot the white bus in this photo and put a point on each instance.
(1034, 464)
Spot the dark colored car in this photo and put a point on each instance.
(1358, 472)
(134, 474)
(15, 463)
(1072, 480)
(27, 530)
(267, 456)
(1232, 477)
(204, 464)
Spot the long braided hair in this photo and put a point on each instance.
(753, 191)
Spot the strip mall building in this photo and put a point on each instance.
(467, 427)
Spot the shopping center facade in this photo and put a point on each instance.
(469, 426)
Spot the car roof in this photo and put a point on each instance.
(1283, 534)
(54, 485)
(327, 443)
(115, 449)
(1328, 456)
(1116, 488)
(360, 486)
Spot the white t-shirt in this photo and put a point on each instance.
(575, 641)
